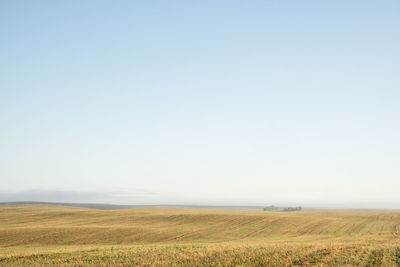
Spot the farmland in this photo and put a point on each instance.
(40, 235)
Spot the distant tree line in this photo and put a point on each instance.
(292, 209)
(282, 209)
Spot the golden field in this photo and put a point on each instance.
(35, 235)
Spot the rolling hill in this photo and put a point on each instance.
(61, 235)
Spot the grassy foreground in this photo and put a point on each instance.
(51, 235)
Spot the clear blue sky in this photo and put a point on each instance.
(201, 102)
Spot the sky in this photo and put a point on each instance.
(201, 102)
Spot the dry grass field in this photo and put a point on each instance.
(55, 235)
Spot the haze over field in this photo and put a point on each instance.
(209, 102)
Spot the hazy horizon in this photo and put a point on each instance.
(211, 103)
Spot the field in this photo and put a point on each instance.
(55, 235)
